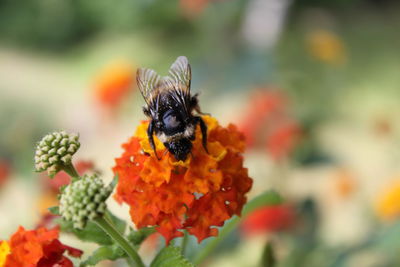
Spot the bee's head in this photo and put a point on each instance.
(179, 148)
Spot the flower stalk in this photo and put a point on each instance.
(185, 240)
(71, 171)
(107, 227)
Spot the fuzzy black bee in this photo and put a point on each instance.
(173, 111)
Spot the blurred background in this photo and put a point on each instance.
(313, 84)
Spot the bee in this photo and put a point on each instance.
(172, 110)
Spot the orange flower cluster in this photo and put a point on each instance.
(195, 195)
(267, 122)
(113, 84)
(39, 248)
(269, 219)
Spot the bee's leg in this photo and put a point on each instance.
(203, 128)
(150, 132)
(194, 102)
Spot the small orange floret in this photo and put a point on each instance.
(196, 195)
(39, 248)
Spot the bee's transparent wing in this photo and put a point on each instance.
(181, 73)
(147, 81)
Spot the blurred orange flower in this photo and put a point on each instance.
(193, 8)
(261, 105)
(387, 206)
(39, 248)
(267, 120)
(268, 219)
(5, 170)
(344, 183)
(327, 47)
(195, 195)
(383, 126)
(282, 139)
(113, 83)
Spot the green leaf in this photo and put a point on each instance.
(54, 210)
(91, 233)
(267, 198)
(268, 256)
(170, 256)
(61, 189)
(112, 253)
(137, 237)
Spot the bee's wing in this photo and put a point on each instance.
(178, 82)
(181, 73)
(147, 81)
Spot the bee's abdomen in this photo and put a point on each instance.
(180, 148)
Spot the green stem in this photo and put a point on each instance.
(70, 170)
(184, 242)
(215, 241)
(120, 240)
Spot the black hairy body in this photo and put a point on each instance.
(171, 108)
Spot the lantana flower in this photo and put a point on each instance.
(113, 83)
(196, 195)
(39, 248)
(267, 123)
(269, 220)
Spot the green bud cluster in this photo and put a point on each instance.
(54, 151)
(84, 200)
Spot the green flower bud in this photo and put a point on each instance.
(55, 150)
(84, 200)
